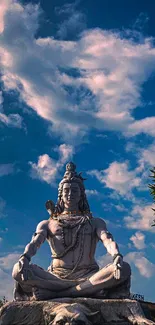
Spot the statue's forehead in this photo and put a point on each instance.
(71, 184)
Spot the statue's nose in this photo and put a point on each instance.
(70, 193)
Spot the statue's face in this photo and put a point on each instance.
(71, 195)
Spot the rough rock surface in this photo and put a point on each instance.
(72, 311)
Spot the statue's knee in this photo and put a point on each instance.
(16, 272)
(126, 269)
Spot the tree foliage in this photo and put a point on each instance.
(3, 301)
(152, 189)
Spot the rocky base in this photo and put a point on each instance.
(80, 311)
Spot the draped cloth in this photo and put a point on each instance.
(81, 273)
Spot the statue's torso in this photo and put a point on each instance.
(61, 238)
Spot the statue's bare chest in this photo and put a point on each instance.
(54, 229)
(65, 235)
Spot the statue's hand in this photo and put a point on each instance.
(118, 263)
(50, 206)
(24, 265)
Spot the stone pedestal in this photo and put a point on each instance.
(78, 311)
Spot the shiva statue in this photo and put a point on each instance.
(72, 233)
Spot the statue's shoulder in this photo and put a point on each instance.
(42, 225)
(99, 223)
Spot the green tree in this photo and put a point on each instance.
(152, 189)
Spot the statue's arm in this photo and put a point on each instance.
(106, 237)
(37, 239)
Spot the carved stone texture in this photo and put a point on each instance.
(82, 311)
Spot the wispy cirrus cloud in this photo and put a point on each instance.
(93, 82)
(47, 169)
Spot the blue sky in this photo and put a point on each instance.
(77, 83)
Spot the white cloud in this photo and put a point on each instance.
(108, 68)
(92, 193)
(145, 161)
(1, 101)
(12, 120)
(145, 267)
(120, 207)
(1, 239)
(6, 280)
(117, 177)
(3, 8)
(6, 169)
(73, 23)
(47, 168)
(7, 262)
(66, 152)
(147, 156)
(138, 240)
(141, 218)
(145, 125)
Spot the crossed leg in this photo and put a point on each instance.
(47, 286)
(40, 282)
(103, 279)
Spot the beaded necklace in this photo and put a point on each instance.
(75, 242)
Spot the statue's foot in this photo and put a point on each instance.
(41, 294)
(19, 294)
(102, 294)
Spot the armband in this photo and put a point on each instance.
(27, 256)
(109, 235)
(117, 255)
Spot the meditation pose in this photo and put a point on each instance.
(72, 233)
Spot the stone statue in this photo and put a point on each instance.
(72, 233)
